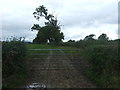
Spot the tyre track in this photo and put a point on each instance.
(57, 71)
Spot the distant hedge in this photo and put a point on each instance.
(13, 57)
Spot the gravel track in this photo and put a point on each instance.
(58, 71)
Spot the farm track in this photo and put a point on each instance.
(58, 71)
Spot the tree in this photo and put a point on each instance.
(51, 31)
(89, 37)
(71, 40)
(103, 37)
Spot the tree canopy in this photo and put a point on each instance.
(103, 37)
(89, 37)
(51, 31)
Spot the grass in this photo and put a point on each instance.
(46, 46)
(68, 50)
(15, 80)
(103, 81)
(39, 46)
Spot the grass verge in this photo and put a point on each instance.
(15, 80)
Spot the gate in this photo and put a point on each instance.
(56, 57)
(53, 67)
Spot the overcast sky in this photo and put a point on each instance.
(78, 18)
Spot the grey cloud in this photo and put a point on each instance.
(56, 5)
(89, 14)
(28, 34)
(73, 37)
(88, 18)
(17, 26)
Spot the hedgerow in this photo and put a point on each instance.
(105, 65)
(103, 58)
(13, 57)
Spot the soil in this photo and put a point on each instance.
(59, 70)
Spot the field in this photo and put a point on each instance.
(64, 66)
(72, 51)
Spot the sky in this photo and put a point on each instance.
(78, 18)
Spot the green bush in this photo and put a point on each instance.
(105, 65)
(13, 57)
(104, 59)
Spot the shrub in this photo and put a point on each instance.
(13, 57)
(104, 59)
(105, 65)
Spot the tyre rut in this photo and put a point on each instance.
(57, 71)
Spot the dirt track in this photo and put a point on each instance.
(58, 71)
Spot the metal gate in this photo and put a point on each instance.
(55, 68)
